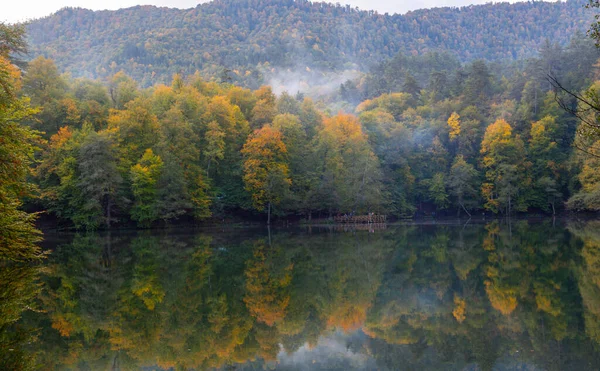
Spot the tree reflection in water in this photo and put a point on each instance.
(405, 297)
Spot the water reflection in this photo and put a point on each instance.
(408, 297)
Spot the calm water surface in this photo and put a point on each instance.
(524, 296)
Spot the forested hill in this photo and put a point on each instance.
(257, 37)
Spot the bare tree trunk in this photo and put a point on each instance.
(112, 97)
(269, 214)
(115, 365)
(465, 209)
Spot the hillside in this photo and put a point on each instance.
(258, 37)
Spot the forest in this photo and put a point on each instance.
(446, 138)
(423, 135)
(251, 41)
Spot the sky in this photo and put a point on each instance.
(21, 10)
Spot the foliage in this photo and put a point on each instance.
(18, 236)
(265, 168)
(471, 136)
(144, 178)
(252, 40)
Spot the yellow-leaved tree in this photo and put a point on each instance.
(507, 170)
(454, 124)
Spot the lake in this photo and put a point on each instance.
(475, 296)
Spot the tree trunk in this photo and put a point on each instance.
(269, 214)
(465, 209)
(108, 206)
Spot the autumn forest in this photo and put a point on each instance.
(460, 140)
(179, 189)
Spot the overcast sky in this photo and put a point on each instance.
(20, 10)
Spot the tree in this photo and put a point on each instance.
(302, 162)
(122, 89)
(42, 82)
(266, 168)
(99, 181)
(478, 85)
(438, 86)
(585, 107)
(546, 158)
(288, 104)
(588, 197)
(594, 30)
(551, 190)
(18, 235)
(411, 86)
(137, 128)
(47, 89)
(437, 191)
(174, 198)
(454, 124)
(144, 177)
(215, 145)
(462, 183)
(506, 168)
(350, 177)
(264, 110)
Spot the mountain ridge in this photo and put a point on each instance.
(254, 37)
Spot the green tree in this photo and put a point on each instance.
(588, 197)
(174, 199)
(99, 181)
(478, 86)
(144, 177)
(47, 89)
(547, 163)
(215, 145)
(122, 89)
(462, 183)
(437, 191)
(302, 162)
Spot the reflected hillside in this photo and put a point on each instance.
(492, 296)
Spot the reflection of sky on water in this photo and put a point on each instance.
(335, 351)
(339, 351)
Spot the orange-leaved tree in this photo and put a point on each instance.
(266, 168)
